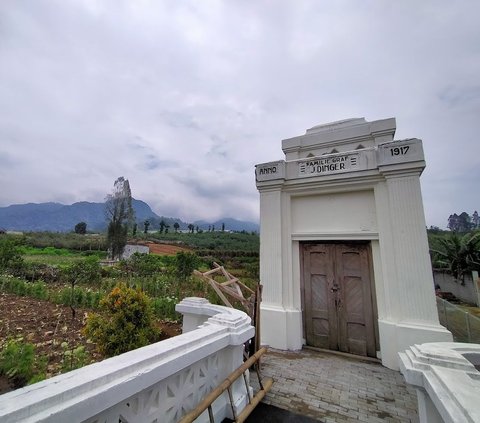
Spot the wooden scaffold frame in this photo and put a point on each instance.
(249, 299)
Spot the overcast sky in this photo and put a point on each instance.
(184, 98)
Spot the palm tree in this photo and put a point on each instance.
(459, 254)
(162, 226)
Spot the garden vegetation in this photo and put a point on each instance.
(123, 305)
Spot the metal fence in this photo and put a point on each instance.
(464, 326)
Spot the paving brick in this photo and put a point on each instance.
(332, 388)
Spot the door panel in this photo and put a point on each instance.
(338, 304)
(319, 268)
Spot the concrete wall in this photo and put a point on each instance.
(466, 292)
(333, 212)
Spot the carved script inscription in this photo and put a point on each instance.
(269, 171)
(328, 165)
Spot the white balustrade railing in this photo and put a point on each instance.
(446, 377)
(157, 383)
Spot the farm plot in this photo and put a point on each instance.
(53, 331)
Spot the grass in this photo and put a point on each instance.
(53, 260)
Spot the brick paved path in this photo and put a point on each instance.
(333, 388)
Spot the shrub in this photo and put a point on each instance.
(185, 264)
(18, 362)
(143, 264)
(86, 271)
(164, 308)
(10, 255)
(127, 322)
(39, 290)
(73, 358)
(34, 271)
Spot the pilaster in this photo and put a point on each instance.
(271, 274)
(413, 287)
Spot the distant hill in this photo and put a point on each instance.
(56, 217)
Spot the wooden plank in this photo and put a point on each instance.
(220, 294)
(246, 287)
(210, 272)
(229, 282)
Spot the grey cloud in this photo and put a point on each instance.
(6, 161)
(179, 120)
(455, 96)
(170, 96)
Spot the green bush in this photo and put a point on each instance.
(10, 255)
(73, 358)
(164, 308)
(36, 290)
(18, 362)
(185, 264)
(87, 271)
(143, 264)
(39, 290)
(35, 271)
(127, 322)
(92, 299)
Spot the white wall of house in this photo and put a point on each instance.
(131, 249)
(348, 181)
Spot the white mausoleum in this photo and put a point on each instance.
(344, 253)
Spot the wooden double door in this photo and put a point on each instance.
(338, 305)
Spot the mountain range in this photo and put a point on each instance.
(56, 217)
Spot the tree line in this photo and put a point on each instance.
(463, 222)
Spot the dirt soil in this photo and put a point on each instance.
(165, 249)
(47, 325)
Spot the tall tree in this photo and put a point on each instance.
(475, 220)
(120, 214)
(162, 226)
(81, 228)
(176, 226)
(459, 223)
(146, 224)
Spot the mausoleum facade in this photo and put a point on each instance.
(343, 248)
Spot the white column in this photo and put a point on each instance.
(281, 321)
(271, 247)
(412, 315)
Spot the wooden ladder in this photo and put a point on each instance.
(226, 385)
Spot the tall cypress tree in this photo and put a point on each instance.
(120, 216)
